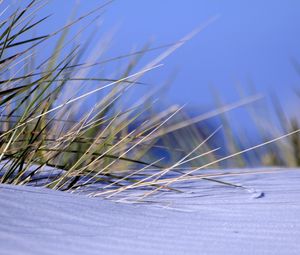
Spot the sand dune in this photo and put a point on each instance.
(209, 218)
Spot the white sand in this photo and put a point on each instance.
(208, 219)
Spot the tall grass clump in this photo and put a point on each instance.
(51, 133)
(58, 132)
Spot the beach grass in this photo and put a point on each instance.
(58, 133)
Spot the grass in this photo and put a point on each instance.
(108, 147)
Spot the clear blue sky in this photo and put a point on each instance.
(251, 42)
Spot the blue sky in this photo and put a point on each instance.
(251, 43)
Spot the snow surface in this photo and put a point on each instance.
(208, 218)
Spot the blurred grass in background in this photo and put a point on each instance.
(66, 125)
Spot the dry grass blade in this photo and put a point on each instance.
(58, 133)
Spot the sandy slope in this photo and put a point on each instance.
(208, 219)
